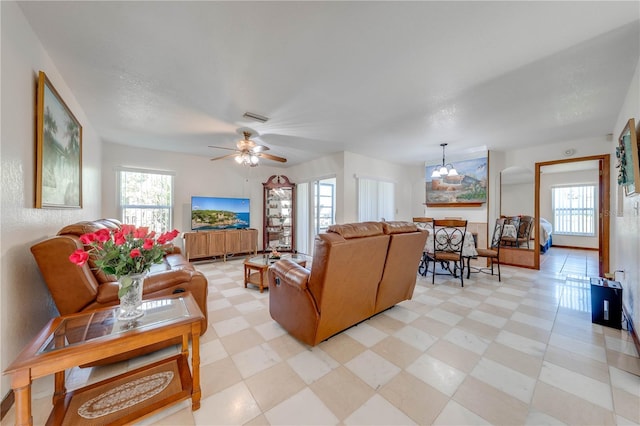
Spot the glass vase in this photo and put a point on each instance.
(130, 294)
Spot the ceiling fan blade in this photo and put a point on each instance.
(272, 157)
(259, 148)
(225, 156)
(222, 147)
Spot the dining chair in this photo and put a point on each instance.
(509, 240)
(524, 230)
(425, 223)
(493, 252)
(448, 240)
(523, 225)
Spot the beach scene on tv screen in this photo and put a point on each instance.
(219, 213)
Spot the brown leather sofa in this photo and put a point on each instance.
(358, 270)
(76, 289)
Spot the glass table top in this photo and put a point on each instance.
(96, 324)
(265, 260)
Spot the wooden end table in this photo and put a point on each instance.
(255, 268)
(83, 338)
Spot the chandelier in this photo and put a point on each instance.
(446, 169)
(247, 159)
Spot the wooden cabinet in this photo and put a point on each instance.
(220, 243)
(249, 241)
(279, 214)
(196, 244)
(241, 241)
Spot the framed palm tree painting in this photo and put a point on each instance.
(628, 161)
(58, 150)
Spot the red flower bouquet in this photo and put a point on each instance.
(126, 251)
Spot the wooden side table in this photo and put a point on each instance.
(77, 339)
(255, 268)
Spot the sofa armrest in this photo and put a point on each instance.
(289, 273)
(107, 294)
(158, 281)
(153, 283)
(291, 302)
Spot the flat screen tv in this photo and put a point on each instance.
(219, 213)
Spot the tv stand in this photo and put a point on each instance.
(220, 243)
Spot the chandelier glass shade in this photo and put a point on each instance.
(446, 169)
(247, 159)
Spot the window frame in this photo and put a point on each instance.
(571, 214)
(119, 193)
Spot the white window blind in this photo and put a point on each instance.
(146, 198)
(574, 209)
(375, 200)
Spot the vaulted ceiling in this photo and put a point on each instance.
(390, 80)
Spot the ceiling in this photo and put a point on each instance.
(391, 80)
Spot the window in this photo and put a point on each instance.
(316, 210)
(146, 198)
(324, 204)
(375, 200)
(574, 209)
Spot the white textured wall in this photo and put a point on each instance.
(518, 199)
(528, 157)
(345, 166)
(625, 241)
(194, 175)
(25, 304)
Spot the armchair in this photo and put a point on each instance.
(358, 270)
(76, 289)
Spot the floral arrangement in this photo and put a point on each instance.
(125, 251)
(275, 254)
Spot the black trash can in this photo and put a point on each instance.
(606, 302)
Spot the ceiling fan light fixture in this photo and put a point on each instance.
(247, 152)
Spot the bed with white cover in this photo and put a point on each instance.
(546, 230)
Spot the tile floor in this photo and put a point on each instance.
(520, 352)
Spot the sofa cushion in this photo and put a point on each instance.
(399, 277)
(81, 228)
(398, 227)
(356, 230)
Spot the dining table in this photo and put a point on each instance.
(468, 248)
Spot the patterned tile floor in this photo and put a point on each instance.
(523, 351)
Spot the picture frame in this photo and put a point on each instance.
(58, 150)
(628, 159)
(468, 189)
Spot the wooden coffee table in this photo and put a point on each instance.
(255, 268)
(83, 338)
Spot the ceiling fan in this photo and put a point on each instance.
(247, 152)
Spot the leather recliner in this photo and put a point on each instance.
(358, 270)
(76, 289)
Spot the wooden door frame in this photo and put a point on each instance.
(604, 203)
